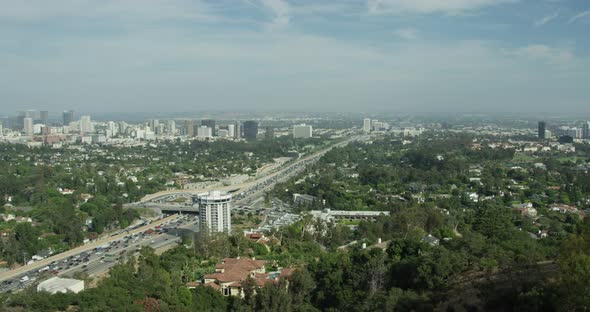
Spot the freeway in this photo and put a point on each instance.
(60, 257)
(100, 259)
(288, 170)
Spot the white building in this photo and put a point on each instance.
(28, 126)
(367, 125)
(214, 211)
(302, 131)
(171, 126)
(1, 130)
(204, 132)
(61, 285)
(86, 124)
(231, 131)
(222, 133)
(111, 129)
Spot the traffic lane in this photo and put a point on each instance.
(59, 257)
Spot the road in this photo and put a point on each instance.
(100, 259)
(244, 187)
(60, 257)
(92, 263)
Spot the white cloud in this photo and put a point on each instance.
(406, 33)
(281, 12)
(430, 6)
(546, 19)
(580, 16)
(544, 53)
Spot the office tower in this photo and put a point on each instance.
(204, 132)
(122, 127)
(269, 134)
(188, 128)
(28, 126)
(214, 211)
(250, 130)
(231, 131)
(44, 117)
(154, 123)
(1, 130)
(302, 131)
(209, 123)
(541, 130)
(68, 116)
(33, 114)
(367, 125)
(171, 127)
(238, 133)
(86, 124)
(111, 129)
(586, 130)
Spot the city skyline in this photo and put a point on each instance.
(388, 55)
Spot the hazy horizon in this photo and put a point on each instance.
(420, 56)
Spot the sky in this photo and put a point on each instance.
(295, 55)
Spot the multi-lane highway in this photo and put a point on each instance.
(249, 190)
(99, 256)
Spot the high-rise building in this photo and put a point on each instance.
(68, 116)
(250, 130)
(586, 130)
(214, 211)
(209, 123)
(541, 130)
(231, 130)
(1, 130)
(33, 114)
(171, 126)
(154, 123)
(302, 131)
(238, 133)
(188, 128)
(86, 124)
(28, 126)
(44, 117)
(269, 134)
(204, 132)
(366, 125)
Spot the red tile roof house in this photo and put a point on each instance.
(231, 272)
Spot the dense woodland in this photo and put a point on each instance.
(488, 258)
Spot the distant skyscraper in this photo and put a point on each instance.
(214, 211)
(541, 130)
(209, 123)
(302, 132)
(111, 129)
(231, 131)
(154, 123)
(33, 114)
(238, 133)
(250, 130)
(171, 126)
(204, 132)
(586, 130)
(269, 133)
(86, 124)
(367, 125)
(1, 130)
(44, 117)
(28, 126)
(68, 116)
